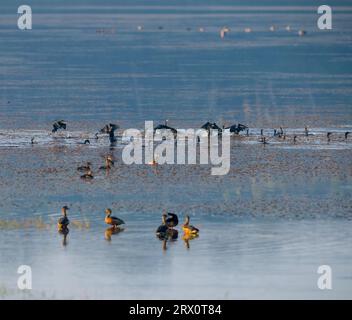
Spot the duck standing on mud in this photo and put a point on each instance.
(63, 222)
(114, 221)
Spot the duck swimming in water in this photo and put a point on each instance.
(114, 221)
(63, 222)
(60, 124)
(189, 229)
(163, 228)
(172, 221)
(88, 175)
(164, 231)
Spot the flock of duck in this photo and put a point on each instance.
(166, 231)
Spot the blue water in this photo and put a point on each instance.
(266, 226)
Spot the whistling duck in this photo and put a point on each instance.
(189, 229)
(114, 221)
(63, 222)
(163, 228)
(172, 221)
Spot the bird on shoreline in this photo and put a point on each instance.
(211, 126)
(60, 124)
(189, 229)
(110, 130)
(63, 222)
(236, 128)
(114, 221)
(165, 126)
(328, 136)
(306, 132)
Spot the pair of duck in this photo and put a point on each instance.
(63, 222)
(169, 221)
(88, 175)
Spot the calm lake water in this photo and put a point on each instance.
(283, 209)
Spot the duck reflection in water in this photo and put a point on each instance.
(110, 231)
(64, 232)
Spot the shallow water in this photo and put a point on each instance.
(266, 226)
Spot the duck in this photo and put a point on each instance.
(162, 127)
(84, 167)
(63, 222)
(172, 221)
(161, 232)
(88, 175)
(328, 136)
(107, 165)
(114, 221)
(60, 124)
(302, 32)
(346, 134)
(189, 229)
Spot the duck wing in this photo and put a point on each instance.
(117, 221)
